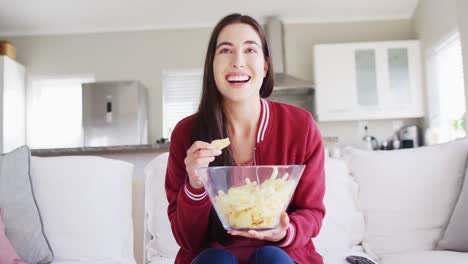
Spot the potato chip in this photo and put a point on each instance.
(220, 143)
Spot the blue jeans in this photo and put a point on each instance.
(263, 255)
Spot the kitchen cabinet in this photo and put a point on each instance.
(12, 104)
(369, 80)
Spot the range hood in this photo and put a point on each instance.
(275, 38)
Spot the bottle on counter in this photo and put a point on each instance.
(395, 143)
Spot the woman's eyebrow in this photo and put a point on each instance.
(230, 44)
(251, 42)
(224, 43)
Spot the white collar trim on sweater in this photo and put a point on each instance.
(263, 120)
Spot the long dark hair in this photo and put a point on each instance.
(210, 118)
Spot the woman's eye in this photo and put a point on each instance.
(251, 50)
(224, 50)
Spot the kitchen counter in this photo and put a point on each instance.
(149, 148)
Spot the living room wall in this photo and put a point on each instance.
(143, 55)
(433, 22)
(462, 8)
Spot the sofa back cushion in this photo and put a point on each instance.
(456, 235)
(21, 217)
(86, 205)
(407, 196)
(160, 242)
(343, 225)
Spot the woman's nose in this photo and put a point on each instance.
(238, 60)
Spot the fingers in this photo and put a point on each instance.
(197, 145)
(261, 235)
(200, 154)
(247, 234)
(200, 158)
(203, 153)
(271, 235)
(200, 150)
(197, 162)
(284, 221)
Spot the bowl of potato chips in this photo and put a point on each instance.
(250, 197)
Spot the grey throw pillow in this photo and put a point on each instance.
(456, 235)
(23, 225)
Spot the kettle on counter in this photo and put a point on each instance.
(369, 142)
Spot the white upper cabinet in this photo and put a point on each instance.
(371, 80)
(12, 104)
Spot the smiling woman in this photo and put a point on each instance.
(238, 76)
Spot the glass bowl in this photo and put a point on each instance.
(250, 197)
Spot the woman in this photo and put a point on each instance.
(238, 74)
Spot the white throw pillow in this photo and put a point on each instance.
(343, 225)
(161, 242)
(86, 207)
(408, 195)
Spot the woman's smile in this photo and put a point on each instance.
(238, 80)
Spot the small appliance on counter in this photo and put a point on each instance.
(115, 114)
(408, 136)
(369, 142)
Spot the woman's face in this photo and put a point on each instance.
(239, 65)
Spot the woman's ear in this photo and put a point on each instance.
(265, 67)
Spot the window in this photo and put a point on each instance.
(55, 112)
(446, 91)
(181, 96)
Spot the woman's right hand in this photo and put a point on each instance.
(200, 154)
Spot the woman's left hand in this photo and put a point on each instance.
(273, 235)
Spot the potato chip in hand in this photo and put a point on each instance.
(220, 143)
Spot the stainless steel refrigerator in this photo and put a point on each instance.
(115, 113)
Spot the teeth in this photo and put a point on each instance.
(238, 78)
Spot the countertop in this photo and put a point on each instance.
(101, 150)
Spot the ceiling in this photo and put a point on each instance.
(33, 17)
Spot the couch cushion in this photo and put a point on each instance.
(343, 225)
(456, 234)
(8, 254)
(426, 257)
(407, 196)
(20, 212)
(161, 242)
(86, 207)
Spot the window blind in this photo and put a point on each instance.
(181, 96)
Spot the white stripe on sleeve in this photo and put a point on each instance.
(195, 197)
(289, 236)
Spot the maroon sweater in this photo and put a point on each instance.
(285, 135)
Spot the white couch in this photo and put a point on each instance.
(390, 206)
(86, 208)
